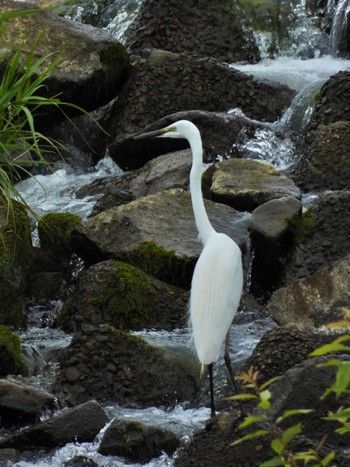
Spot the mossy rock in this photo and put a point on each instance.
(124, 296)
(16, 254)
(11, 358)
(54, 231)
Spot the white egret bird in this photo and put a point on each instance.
(218, 277)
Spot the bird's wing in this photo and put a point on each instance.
(215, 295)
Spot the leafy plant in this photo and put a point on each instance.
(281, 438)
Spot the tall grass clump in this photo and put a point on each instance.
(22, 146)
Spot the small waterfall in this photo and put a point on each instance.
(341, 16)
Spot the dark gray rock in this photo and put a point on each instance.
(315, 300)
(272, 237)
(284, 347)
(166, 83)
(137, 442)
(325, 162)
(198, 28)
(81, 423)
(21, 403)
(221, 133)
(322, 237)
(113, 365)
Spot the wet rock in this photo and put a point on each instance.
(163, 172)
(92, 65)
(166, 83)
(315, 300)
(325, 163)
(137, 442)
(15, 259)
(113, 365)
(80, 461)
(332, 102)
(221, 133)
(156, 233)
(303, 387)
(21, 403)
(124, 296)
(79, 424)
(321, 236)
(191, 27)
(246, 184)
(282, 348)
(271, 236)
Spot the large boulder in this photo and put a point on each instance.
(156, 233)
(325, 162)
(321, 236)
(272, 236)
(164, 83)
(246, 184)
(168, 171)
(332, 101)
(113, 365)
(201, 28)
(16, 253)
(222, 134)
(301, 387)
(315, 300)
(124, 296)
(282, 348)
(92, 65)
(136, 441)
(78, 424)
(22, 403)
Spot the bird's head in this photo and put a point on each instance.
(179, 129)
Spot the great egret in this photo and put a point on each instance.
(218, 278)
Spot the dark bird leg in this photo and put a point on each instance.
(230, 370)
(211, 382)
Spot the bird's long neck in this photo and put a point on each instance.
(203, 224)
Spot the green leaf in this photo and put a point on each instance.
(277, 445)
(328, 459)
(272, 462)
(342, 379)
(256, 434)
(290, 413)
(335, 346)
(289, 434)
(250, 420)
(242, 396)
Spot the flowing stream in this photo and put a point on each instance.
(56, 193)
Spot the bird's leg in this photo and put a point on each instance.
(211, 382)
(227, 359)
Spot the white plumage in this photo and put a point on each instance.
(218, 278)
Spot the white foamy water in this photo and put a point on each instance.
(295, 73)
(56, 192)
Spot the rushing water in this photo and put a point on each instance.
(56, 192)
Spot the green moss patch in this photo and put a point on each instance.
(302, 224)
(55, 230)
(161, 263)
(11, 358)
(128, 296)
